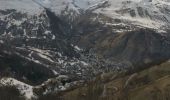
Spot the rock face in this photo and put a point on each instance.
(79, 40)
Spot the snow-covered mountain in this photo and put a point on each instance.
(33, 36)
(147, 13)
(68, 42)
(144, 13)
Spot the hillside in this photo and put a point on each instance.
(91, 49)
(149, 84)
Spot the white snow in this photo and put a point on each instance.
(156, 22)
(77, 48)
(59, 54)
(62, 88)
(46, 1)
(60, 61)
(84, 63)
(55, 73)
(1, 41)
(25, 89)
(58, 5)
(41, 51)
(85, 4)
(21, 5)
(111, 10)
(16, 22)
(45, 57)
(47, 32)
(53, 37)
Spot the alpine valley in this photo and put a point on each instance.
(84, 49)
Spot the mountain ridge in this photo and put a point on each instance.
(64, 44)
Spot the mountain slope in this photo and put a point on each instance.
(143, 13)
(149, 84)
(56, 45)
(25, 6)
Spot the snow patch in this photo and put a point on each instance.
(45, 57)
(84, 63)
(25, 89)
